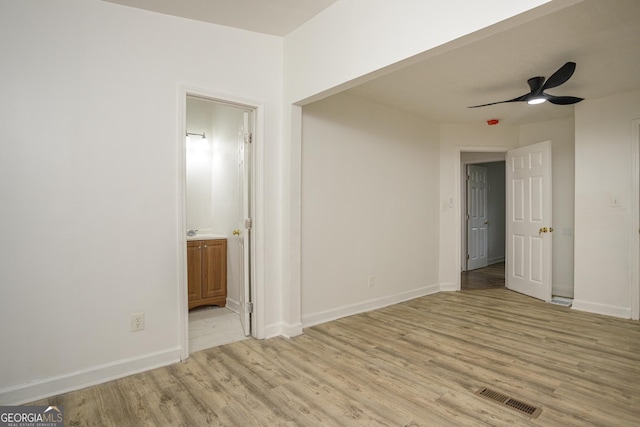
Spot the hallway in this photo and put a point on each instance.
(490, 277)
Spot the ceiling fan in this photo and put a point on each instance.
(538, 86)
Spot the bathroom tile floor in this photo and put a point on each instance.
(213, 326)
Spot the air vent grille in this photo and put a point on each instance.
(522, 407)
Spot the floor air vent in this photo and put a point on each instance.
(524, 408)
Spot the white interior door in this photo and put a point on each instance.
(529, 228)
(244, 226)
(477, 218)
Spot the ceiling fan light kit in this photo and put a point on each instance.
(538, 86)
(535, 101)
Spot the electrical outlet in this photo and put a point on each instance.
(371, 281)
(137, 322)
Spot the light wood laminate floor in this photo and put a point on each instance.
(416, 363)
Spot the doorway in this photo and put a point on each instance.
(483, 226)
(215, 181)
(528, 226)
(483, 205)
(221, 213)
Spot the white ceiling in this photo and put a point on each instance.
(275, 17)
(601, 36)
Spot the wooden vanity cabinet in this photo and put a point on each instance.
(207, 272)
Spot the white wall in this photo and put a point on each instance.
(562, 136)
(603, 230)
(89, 178)
(369, 181)
(358, 37)
(199, 166)
(212, 174)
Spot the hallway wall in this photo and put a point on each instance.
(370, 178)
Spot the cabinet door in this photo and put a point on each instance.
(194, 270)
(214, 269)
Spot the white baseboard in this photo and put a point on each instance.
(607, 310)
(36, 390)
(272, 330)
(289, 331)
(361, 307)
(282, 330)
(449, 287)
(233, 305)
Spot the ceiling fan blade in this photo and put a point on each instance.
(561, 76)
(518, 99)
(535, 83)
(484, 105)
(563, 100)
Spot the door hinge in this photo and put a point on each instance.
(248, 307)
(248, 223)
(468, 177)
(467, 256)
(467, 215)
(248, 138)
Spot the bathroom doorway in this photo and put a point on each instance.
(218, 155)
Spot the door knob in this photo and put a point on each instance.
(486, 223)
(236, 232)
(543, 230)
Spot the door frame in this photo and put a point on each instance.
(461, 165)
(634, 250)
(257, 254)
